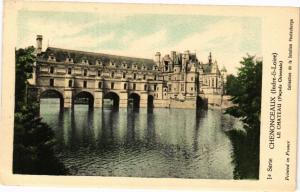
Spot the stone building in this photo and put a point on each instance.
(175, 80)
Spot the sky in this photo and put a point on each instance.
(142, 35)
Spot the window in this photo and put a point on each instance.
(51, 82)
(192, 78)
(112, 75)
(70, 83)
(170, 87)
(124, 75)
(155, 87)
(134, 76)
(145, 87)
(112, 85)
(182, 87)
(144, 77)
(134, 86)
(51, 70)
(84, 84)
(69, 71)
(125, 85)
(213, 82)
(99, 73)
(99, 85)
(85, 72)
(192, 88)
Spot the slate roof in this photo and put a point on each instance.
(207, 67)
(62, 54)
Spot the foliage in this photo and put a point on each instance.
(33, 139)
(245, 89)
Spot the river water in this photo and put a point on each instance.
(179, 143)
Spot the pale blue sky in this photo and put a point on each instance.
(141, 35)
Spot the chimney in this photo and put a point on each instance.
(39, 41)
(157, 58)
(173, 55)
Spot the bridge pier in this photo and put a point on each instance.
(98, 96)
(144, 100)
(123, 100)
(67, 99)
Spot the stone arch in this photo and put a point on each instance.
(114, 100)
(84, 97)
(53, 93)
(134, 100)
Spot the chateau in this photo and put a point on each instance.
(175, 80)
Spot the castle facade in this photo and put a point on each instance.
(175, 80)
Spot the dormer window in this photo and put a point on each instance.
(143, 67)
(134, 66)
(51, 57)
(112, 64)
(69, 60)
(85, 61)
(99, 62)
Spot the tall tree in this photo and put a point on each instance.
(245, 90)
(33, 139)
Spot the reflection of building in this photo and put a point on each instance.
(177, 80)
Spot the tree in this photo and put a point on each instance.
(34, 142)
(245, 90)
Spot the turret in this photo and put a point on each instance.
(39, 41)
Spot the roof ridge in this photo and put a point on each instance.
(105, 54)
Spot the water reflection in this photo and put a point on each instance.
(156, 143)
